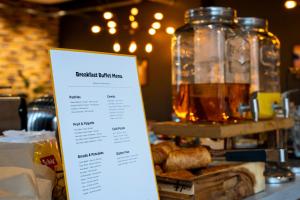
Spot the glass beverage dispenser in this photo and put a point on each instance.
(265, 62)
(210, 66)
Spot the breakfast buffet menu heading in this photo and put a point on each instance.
(100, 75)
(102, 127)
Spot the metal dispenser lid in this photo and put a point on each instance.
(253, 22)
(211, 14)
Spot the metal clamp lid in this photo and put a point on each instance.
(253, 22)
(211, 14)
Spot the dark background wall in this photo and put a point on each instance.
(75, 33)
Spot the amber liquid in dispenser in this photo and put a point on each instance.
(209, 102)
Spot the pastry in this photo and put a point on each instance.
(158, 155)
(167, 147)
(187, 158)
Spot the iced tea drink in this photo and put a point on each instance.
(214, 102)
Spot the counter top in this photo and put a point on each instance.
(288, 191)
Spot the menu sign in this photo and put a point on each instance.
(102, 126)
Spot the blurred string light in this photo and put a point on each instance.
(116, 47)
(152, 31)
(112, 31)
(148, 48)
(107, 15)
(170, 30)
(156, 25)
(132, 47)
(134, 25)
(60, 13)
(290, 4)
(131, 18)
(134, 11)
(111, 24)
(95, 29)
(158, 16)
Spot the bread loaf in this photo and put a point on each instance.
(158, 155)
(187, 158)
(167, 147)
(161, 151)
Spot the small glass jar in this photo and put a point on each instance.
(210, 66)
(264, 55)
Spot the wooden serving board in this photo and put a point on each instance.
(221, 130)
(224, 182)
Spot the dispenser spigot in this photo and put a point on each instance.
(253, 107)
(285, 107)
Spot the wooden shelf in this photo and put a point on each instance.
(220, 130)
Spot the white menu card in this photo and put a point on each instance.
(103, 133)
